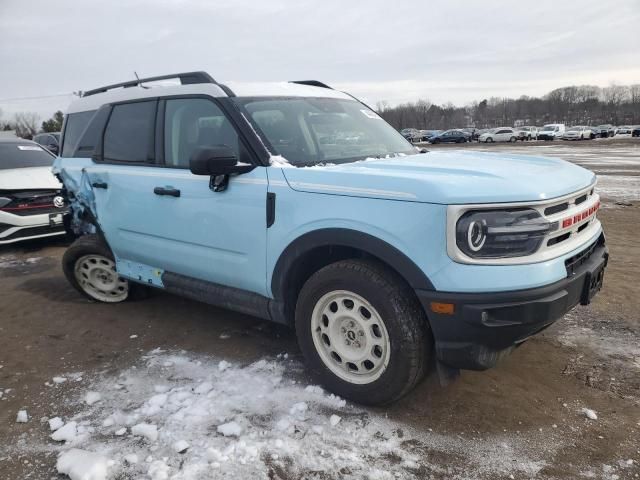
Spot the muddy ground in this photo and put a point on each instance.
(589, 359)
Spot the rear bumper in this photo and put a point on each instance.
(485, 327)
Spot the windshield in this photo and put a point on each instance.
(574, 129)
(316, 130)
(15, 155)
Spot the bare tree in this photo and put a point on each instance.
(26, 124)
(573, 105)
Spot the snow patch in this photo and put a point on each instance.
(92, 397)
(244, 421)
(83, 465)
(22, 416)
(279, 161)
(231, 429)
(55, 423)
(146, 430)
(590, 414)
(67, 433)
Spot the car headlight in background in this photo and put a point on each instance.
(501, 233)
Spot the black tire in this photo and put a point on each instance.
(489, 140)
(436, 141)
(407, 326)
(91, 245)
(513, 139)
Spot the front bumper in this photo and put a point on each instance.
(544, 136)
(486, 326)
(15, 228)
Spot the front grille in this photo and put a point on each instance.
(574, 262)
(28, 203)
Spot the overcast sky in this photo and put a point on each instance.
(390, 50)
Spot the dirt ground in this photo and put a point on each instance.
(589, 359)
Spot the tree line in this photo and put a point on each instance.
(27, 124)
(574, 105)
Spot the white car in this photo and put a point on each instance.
(577, 133)
(31, 205)
(551, 131)
(501, 134)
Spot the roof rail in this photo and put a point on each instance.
(311, 83)
(316, 83)
(187, 78)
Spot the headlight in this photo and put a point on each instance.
(5, 201)
(501, 233)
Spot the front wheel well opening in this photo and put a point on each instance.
(312, 261)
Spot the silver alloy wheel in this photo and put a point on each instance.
(98, 277)
(350, 337)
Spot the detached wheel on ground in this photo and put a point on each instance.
(90, 267)
(362, 331)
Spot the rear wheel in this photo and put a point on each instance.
(513, 139)
(90, 267)
(363, 332)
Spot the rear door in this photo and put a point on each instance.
(157, 216)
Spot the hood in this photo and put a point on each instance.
(32, 178)
(446, 178)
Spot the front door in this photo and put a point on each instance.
(158, 216)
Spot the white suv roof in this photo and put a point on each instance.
(204, 84)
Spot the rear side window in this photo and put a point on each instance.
(129, 136)
(73, 128)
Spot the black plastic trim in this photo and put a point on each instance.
(222, 296)
(186, 78)
(312, 83)
(342, 237)
(271, 209)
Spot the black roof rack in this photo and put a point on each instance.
(311, 83)
(316, 83)
(187, 78)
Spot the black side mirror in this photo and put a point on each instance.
(216, 160)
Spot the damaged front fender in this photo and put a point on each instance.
(79, 195)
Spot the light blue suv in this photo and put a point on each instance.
(297, 203)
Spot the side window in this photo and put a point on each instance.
(73, 128)
(129, 136)
(191, 123)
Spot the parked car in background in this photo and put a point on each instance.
(624, 130)
(605, 131)
(50, 141)
(551, 131)
(577, 133)
(450, 136)
(31, 204)
(500, 134)
(527, 133)
(635, 131)
(385, 267)
(472, 132)
(427, 135)
(411, 134)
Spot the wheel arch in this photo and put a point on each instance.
(314, 250)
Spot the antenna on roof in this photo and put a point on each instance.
(138, 78)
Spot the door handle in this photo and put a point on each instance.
(172, 192)
(99, 185)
